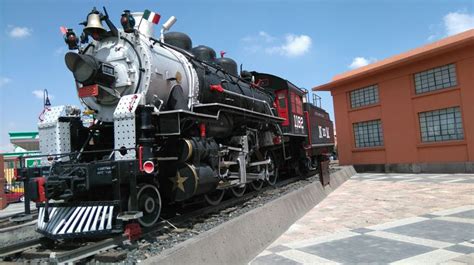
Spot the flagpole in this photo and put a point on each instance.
(139, 23)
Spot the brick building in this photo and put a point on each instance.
(411, 112)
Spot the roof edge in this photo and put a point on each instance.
(443, 45)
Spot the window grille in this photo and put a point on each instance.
(368, 133)
(435, 79)
(441, 125)
(364, 96)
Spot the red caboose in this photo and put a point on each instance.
(306, 124)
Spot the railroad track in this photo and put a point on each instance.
(13, 227)
(19, 247)
(57, 255)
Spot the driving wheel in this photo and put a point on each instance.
(149, 202)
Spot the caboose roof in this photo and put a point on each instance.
(283, 83)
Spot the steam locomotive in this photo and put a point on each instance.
(170, 123)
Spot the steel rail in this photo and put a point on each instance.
(16, 226)
(19, 247)
(86, 251)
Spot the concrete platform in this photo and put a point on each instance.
(14, 208)
(382, 219)
(242, 238)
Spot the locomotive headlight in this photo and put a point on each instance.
(83, 67)
(88, 70)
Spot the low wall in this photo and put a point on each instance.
(241, 239)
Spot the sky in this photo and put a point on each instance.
(306, 42)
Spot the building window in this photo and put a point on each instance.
(441, 125)
(435, 79)
(364, 96)
(368, 133)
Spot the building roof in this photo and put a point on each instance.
(420, 53)
(14, 155)
(23, 135)
(26, 140)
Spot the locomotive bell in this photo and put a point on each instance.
(94, 24)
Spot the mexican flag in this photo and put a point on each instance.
(151, 16)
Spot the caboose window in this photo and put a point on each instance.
(296, 103)
(299, 105)
(282, 102)
(364, 96)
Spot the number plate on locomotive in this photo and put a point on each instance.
(88, 91)
(108, 69)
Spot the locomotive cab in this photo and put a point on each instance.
(288, 102)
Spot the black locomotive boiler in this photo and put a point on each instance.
(170, 122)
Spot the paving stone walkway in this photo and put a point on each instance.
(385, 219)
(433, 178)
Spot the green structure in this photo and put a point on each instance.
(25, 144)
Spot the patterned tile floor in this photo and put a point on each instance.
(433, 178)
(410, 229)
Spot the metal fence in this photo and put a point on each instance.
(10, 183)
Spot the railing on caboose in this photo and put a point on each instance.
(316, 100)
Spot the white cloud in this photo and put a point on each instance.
(39, 94)
(295, 45)
(361, 61)
(452, 23)
(262, 36)
(291, 45)
(4, 81)
(266, 37)
(457, 22)
(19, 32)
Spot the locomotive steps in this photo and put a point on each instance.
(241, 239)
